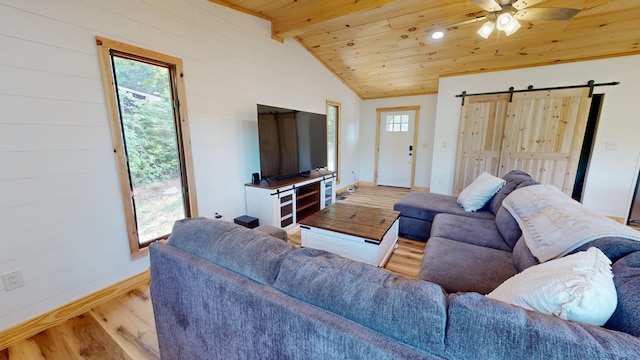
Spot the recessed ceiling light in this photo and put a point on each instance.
(437, 35)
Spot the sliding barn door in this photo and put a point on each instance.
(479, 138)
(543, 135)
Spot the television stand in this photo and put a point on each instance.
(284, 202)
(282, 177)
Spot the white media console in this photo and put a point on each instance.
(283, 203)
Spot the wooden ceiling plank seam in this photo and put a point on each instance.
(355, 90)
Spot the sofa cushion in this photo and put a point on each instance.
(625, 256)
(508, 227)
(577, 287)
(414, 228)
(481, 232)
(479, 327)
(368, 295)
(253, 254)
(626, 272)
(522, 256)
(613, 247)
(515, 179)
(458, 266)
(479, 192)
(425, 206)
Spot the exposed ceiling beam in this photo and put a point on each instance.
(241, 9)
(302, 13)
(291, 19)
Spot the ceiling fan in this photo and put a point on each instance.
(506, 14)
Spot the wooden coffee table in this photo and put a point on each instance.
(357, 232)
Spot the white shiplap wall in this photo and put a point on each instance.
(61, 220)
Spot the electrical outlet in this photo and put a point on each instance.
(611, 146)
(13, 280)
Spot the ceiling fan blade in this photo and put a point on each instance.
(546, 14)
(466, 22)
(488, 5)
(523, 4)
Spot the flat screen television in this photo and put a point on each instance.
(292, 142)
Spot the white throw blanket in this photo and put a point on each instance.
(554, 224)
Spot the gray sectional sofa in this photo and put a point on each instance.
(467, 251)
(221, 291)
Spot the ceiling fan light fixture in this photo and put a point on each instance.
(513, 26)
(503, 21)
(486, 29)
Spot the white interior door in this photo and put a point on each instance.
(396, 148)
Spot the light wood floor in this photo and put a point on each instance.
(124, 328)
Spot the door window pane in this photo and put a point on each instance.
(395, 123)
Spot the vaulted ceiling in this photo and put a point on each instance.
(383, 48)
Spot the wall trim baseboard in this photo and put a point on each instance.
(58, 316)
(371, 184)
(366, 183)
(618, 219)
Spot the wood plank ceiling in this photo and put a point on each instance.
(383, 48)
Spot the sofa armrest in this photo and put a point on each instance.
(425, 206)
(251, 253)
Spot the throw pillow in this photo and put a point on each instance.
(481, 190)
(577, 287)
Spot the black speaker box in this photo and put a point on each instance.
(247, 221)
